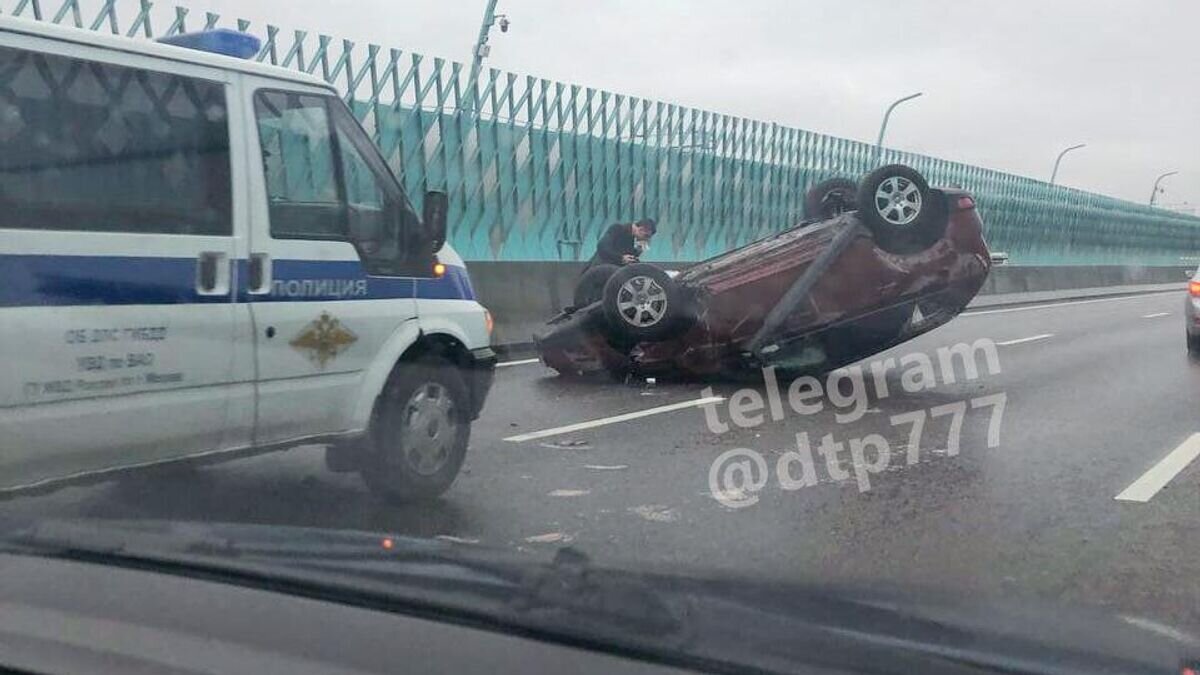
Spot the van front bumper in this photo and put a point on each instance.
(480, 373)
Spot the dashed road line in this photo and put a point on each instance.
(1018, 341)
(1155, 315)
(1144, 488)
(567, 492)
(605, 421)
(521, 362)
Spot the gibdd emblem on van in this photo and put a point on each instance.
(323, 339)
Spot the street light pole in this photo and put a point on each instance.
(1158, 180)
(1054, 174)
(478, 53)
(883, 125)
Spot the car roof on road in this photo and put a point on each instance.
(157, 49)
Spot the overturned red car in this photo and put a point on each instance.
(877, 266)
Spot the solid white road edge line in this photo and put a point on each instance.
(1043, 336)
(1050, 304)
(625, 417)
(1144, 488)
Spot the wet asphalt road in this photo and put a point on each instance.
(1096, 394)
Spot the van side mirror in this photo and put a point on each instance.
(433, 220)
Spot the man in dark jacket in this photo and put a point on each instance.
(623, 243)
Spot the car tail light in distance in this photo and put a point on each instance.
(966, 202)
(1194, 288)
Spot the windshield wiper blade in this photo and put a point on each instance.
(566, 595)
(240, 548)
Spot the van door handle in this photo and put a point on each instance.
(259, 273)
(212, 273)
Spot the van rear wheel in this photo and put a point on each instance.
(419, 432)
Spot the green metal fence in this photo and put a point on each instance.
(538, 168)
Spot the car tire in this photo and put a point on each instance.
(1193, 343)
(419, 432)
(590, 287)
(642, 304)
(830, 198)
(896, 204)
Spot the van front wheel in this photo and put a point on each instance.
(419, 432)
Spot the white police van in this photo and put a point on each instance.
(202, 257)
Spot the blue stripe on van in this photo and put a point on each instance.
(64, 280)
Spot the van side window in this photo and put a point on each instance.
(303, 192)
(90, 146)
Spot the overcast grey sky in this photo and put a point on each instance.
(1008, 83)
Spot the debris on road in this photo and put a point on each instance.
(566, 445)
(550, 538)
(456, 540)
(656, 513)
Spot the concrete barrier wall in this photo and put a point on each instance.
(522, 295)
(1005, 279)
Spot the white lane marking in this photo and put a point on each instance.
(1156, 315)
(563, 492)
(624, 417)
(1142, 489)
(606, 467)
(1051, 305)
(522, 362)
(1155, 627)
(1018, 341)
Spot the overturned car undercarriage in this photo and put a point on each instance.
(827, 292)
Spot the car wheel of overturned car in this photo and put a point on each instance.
(641, 302)
(419, 432)
(895, 203)
(590, 287)
(830, 198)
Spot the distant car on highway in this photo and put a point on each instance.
(1191, 313)
(824, 293)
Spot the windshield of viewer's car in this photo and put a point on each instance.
(853, 295)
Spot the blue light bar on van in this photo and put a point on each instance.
(218, 41)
